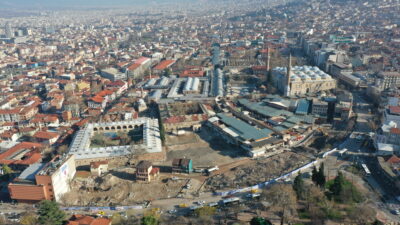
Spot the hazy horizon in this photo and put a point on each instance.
(37, 4)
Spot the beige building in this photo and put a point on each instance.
(98, 168)
(301, 80)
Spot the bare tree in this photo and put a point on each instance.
(362, 214)
(283, 196)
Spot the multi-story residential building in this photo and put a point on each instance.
(182, 166)
(145, 171)
(389, 79)
(44, 181)
(319, 108)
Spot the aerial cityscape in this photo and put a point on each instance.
(183, 112)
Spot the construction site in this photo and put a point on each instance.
(120, 188)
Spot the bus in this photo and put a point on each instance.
(366, 170)
(232, 200)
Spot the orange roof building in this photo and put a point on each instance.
(88, 220)
(22, 154)
(164, 65)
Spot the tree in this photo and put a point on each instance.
(299, 187)
(167, 72)
(283, 196)
(50, 213)
(318, 176)
(62, 149)
(321, 180)
(314, 176)
(259, 221)
(206, 211)
(362, 214)
(162, 130)
(147, 73)
(314, 195)
(3, 220)
(6, 169)
(150, 220)
(29, 219)
(338, 185)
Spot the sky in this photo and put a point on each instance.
(27, 4)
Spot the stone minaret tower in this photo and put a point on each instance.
(289, 73)
(268, 58)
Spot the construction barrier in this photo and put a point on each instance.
(111, 208)
(269, 182)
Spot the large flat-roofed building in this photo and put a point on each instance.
(301, 80)
(44, 181)
(85, 153)
(237, 132)
(113, 74)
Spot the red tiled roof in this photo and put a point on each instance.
(134, 66)
(395, 130)
(192, 73)
(393, 160)
(104, 93)
(97, 99)
(154, 170)
(97, 164)
(45, 135)
(141, 60)
(164, 64)
(394, 109)
(82, 122)
(30, 157)
(117, 83)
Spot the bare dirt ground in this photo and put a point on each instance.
(256, 171)
(120, 188)
(202, 148)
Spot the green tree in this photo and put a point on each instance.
(6, 169)
(162, 130)
(150, 220)
(167, 72)
(338, 185)
(321, 180)
(314, 175)
(50, 213)
(259, 221)
(299, 186)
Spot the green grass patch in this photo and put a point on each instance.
(348, 195)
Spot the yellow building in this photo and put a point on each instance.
(82, 85)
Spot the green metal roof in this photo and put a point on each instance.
(244, 130)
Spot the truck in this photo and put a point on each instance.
(215, 168)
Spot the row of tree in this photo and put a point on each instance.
(49, 213)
